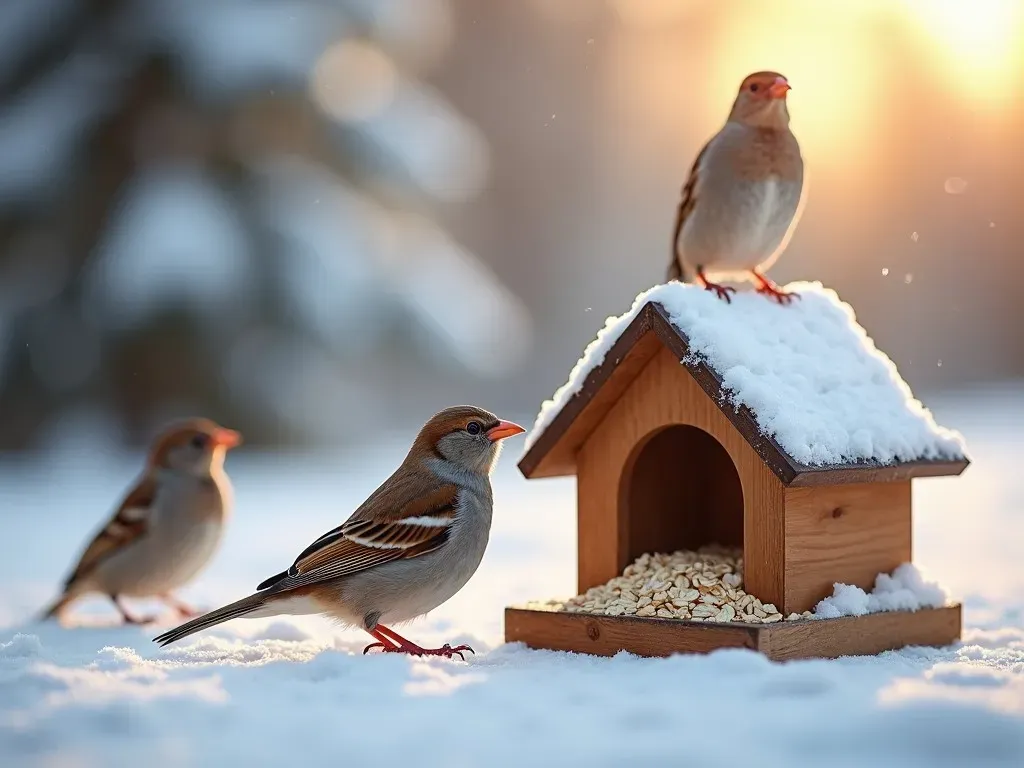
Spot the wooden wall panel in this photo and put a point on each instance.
(843, 533)
(663, 394)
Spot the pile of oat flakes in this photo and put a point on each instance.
(706, 585)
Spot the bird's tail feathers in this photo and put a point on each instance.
(676, 271)
(237, 609)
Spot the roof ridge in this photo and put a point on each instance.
(652, 320)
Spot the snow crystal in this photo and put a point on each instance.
(810, 374)
(904, 590)
(21, 646)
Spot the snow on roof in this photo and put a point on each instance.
(810, 374)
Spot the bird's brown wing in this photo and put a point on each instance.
(402, 520)
(127, 524)
(686, 202)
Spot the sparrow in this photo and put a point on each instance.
(740, 202)
(412, 545)
(167, 527)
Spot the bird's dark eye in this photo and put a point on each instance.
(199, 441)
(474, 427)
(754, 87)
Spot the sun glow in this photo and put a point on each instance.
(837, 55)
(827, 57)
(981, 42)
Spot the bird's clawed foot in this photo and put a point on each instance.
(130, 618)
(391, 642)
(139, 620)
(767, 288)
(445, 650)
(184, 610)
(127, 616)
(722, 291)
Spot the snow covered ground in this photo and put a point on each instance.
(271, 692)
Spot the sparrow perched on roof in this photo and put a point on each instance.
(168, 526)
(409, 547)
(740, 202)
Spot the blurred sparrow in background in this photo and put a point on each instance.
(168, 526)
(412, 545)
(739, 206)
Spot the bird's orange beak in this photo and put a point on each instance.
(779, 88)
(229, 438)
(502, 430)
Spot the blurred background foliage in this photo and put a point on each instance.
(226, 207)
(310, 218)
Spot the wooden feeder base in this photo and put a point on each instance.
(802, 639)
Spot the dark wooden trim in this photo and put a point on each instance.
(652, 318)
(639, 327)
(873, 472)
(742, 418)
(784, 640)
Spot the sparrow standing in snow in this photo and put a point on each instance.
(408, 548)
(168, 526)
(740, 203)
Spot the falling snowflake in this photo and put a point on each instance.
(955, 185)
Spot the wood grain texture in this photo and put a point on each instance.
(607, 635)
(821, 638)
(559, 447)
(555, 451)
(861, 635)
(619, 520)
(680, 490)
(843, 533)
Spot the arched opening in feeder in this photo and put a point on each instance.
(680, 490)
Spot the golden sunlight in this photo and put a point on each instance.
(652, 13)
(827, 54)
(980, 42)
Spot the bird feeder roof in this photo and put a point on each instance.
(803, 384)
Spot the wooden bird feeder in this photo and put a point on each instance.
(664, 462)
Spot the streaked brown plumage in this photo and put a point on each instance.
(167, 526)
(741, 200)
(408, 548)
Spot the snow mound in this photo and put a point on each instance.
(283, 630)
(21, 646)
(905, 590)
(86, 705)
(809, 372)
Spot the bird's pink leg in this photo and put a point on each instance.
(392, 642)
(130, 618)
(768, 288)
(184, 609)
(722, 291)
(385, 644)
